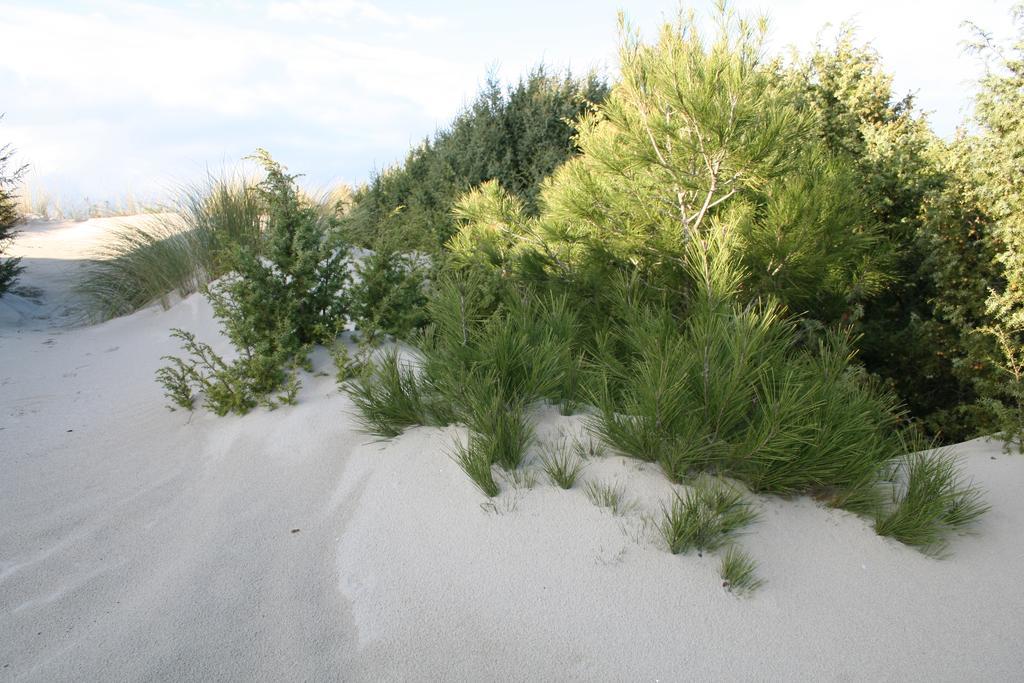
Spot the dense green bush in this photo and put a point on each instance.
(9, 218)
(661, 281)
(910, 336)
(515, 136)
(280, 296)
(388, 294)
(996, 166)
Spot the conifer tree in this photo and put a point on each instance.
(997, 157)
(9, 218)
(516, 136)
(692, 135)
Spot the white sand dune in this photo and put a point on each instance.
(138, 543)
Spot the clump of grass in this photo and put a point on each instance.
(523, 478)
(179, 249)
(502, 429)
(704, 517)
(739, 572)
(611, 496)
(930, 502)
(140, 265)
(589, 450)
(474, 459)
(389, 396)
(562, 465)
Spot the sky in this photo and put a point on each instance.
(111, 98)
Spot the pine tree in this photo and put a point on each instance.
(694, 137)
(9, 218)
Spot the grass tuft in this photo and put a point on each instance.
(562, 465)
(739, 572)
(932, 502)
(611, 496)
(522, 479)
(704, 517)
(388, 395)
(589, 450)
(473, 458)
(180, 249)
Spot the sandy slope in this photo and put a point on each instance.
(139, 543)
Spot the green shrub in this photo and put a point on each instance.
(347, 366)
(482, 332)
(9, 218)
(994, 162)
(502, 428)
(235, 387)
(278, 299)
(728, 390)
(515, 136)
(660, 281)
(488, 354)
(703, 518)
(389, 291)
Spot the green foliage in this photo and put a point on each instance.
(739, 572)
(704, 517)
(9, 218)
(692, 134)
(346, 365)
(292, 291)
(390, 396)
(997, 164)
(910, 334)
(280, 297)
(664, 276)
(487, 356)
(140, 264)
(562, 464)
(929, 502)
(389, 292)
(501, 430)
(515, 136)
(236, 387)
(475, 459)
(177, 250)
(728, 390)
(514, 344)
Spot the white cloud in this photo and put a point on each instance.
(345, 12)
(110, 93)
(141, 68)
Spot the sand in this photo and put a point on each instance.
(137, 543)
